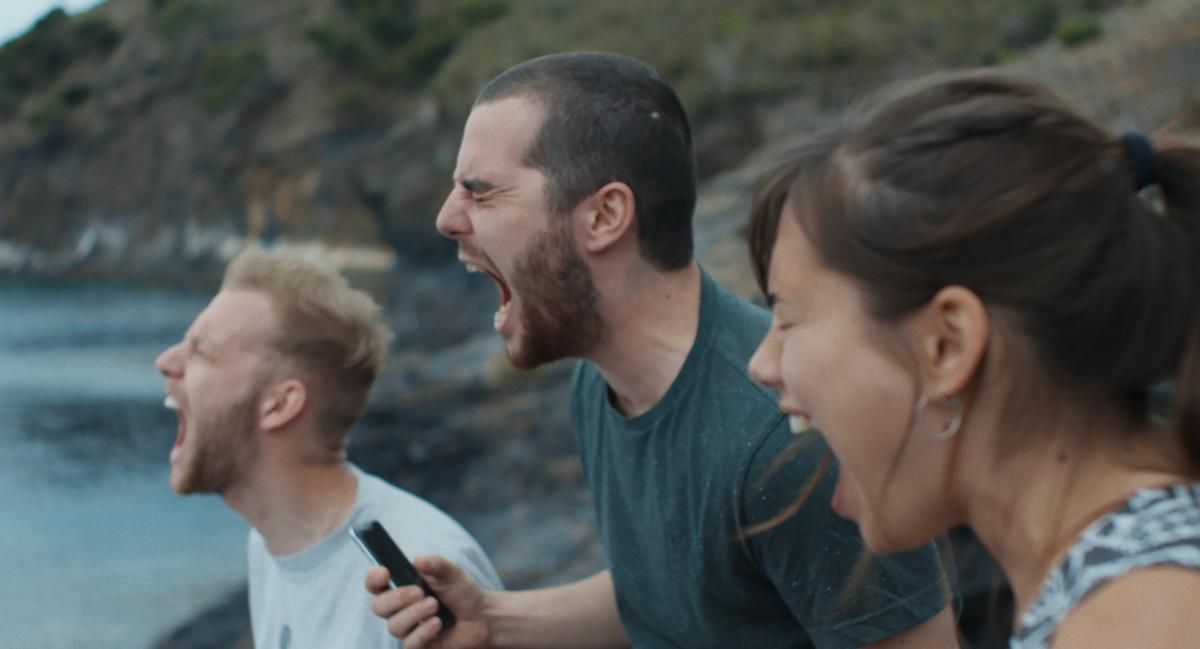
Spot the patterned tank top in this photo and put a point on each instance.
(1155, 527)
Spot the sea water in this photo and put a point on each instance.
(95, 549)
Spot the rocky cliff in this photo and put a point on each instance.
(150, 138)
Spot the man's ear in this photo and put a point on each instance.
(281, 403)
(953, 330)
(608, 215)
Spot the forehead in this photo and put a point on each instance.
(793, 260)
(237, 318)
(498, 135)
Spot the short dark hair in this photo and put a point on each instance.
(611, 118)
(992, 183)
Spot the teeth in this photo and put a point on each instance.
(472, 268)
(800, 424)
(170, 403)
(501, 313)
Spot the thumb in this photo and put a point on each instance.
(439, 571)
(377, 580)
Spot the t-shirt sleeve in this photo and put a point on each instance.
(842, 594)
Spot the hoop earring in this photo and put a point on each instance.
(952, 402)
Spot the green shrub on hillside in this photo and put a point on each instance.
(41, 54)
(417, 61)
(390, 22)
(1028, 26)
(96, 34)
(715, 52)
(1078, 29)
(74, 94)
(391, 41)
(338, 45)
(53, 112)
(37, 58)
(353, 101)
(226, 71)
(440, 33)
(174, 17)
(10, 101)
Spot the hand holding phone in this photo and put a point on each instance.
(379, 547)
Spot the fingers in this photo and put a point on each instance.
(409, 612)
(377, 580)
(424, 633)
(410, 615)
(397, 600)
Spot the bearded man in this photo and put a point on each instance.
(574, 190)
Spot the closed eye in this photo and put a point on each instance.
(195, 348)
(477, 188)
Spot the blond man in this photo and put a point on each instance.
(268, 382)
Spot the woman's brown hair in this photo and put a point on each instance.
(991, 182)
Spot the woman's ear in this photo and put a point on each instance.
(953, 330)
(609, 214)
(281, 403)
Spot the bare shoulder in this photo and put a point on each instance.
(1151, 608)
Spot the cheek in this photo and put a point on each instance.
(859, 397)
(877, 400)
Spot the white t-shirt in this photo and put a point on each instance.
(316, 599)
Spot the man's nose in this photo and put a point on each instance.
(452, 220)
(168, 363)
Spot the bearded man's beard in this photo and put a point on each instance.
(560, 307)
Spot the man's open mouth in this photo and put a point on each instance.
(171, 403)
(501, 315)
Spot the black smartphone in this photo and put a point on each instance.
(379, 547)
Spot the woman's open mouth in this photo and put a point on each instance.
(800, 423)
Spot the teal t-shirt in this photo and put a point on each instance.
(676, 486)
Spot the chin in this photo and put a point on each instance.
(525, 354)
(180, 487)
(184, 481)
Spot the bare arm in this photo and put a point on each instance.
(938, 632)
(580, 615)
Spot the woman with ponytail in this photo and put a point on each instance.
(978, 297)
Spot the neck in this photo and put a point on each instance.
(653, 319)
(294, 506)
(1053, 491)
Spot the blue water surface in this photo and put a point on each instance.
(95, 549)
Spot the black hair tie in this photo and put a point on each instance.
(1145, 164)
